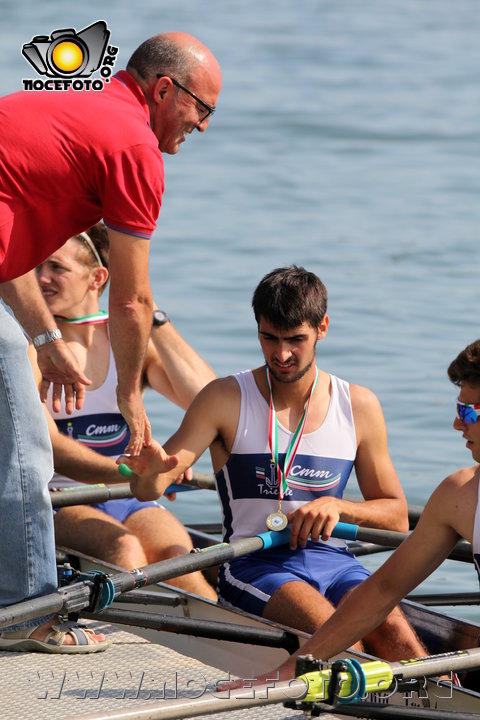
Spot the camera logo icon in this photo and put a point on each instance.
(66, 53)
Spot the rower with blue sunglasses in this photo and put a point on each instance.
(452, 513)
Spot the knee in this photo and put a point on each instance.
(128, 551)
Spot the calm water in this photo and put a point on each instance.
(346, 139)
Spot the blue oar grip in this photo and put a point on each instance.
(273, 538)
(174, 488)
(345, 531)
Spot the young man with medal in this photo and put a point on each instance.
(284, 438)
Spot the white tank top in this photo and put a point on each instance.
(476, 536)
(99, 424)
(247, 484)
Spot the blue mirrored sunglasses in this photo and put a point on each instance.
(468, 413)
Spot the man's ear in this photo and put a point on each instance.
(161, 88)
(323, 327)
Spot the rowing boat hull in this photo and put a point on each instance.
(439, 632)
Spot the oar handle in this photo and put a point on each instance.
(125, 470)
(274, 538)
(345, 531)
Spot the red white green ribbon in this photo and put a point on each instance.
(282, 473)
(92, 319)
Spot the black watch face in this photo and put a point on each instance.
(159, 317)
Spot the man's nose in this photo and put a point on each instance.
(283, 351)
(203, 124)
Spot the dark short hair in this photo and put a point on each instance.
(466, 366)
(290, 296)
(160, 54)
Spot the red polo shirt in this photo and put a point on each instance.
(67, 160)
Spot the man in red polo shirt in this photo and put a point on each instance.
(68, 159)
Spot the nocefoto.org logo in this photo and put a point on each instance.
(70, 58)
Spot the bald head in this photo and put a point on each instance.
(175, 54)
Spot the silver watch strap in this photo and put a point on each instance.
(46, 337)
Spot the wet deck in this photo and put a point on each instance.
(130, 675)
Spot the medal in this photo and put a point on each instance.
(278, 520)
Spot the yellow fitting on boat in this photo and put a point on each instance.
(377, 677)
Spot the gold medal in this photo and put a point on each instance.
(277, 521)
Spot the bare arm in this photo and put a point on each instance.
(57, 363)
(130, 321)
(70, 457)
(384, 504)
(212, 416)
(173, 368)
(368, 605)
(79, 462)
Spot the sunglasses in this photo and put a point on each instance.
(468, 413)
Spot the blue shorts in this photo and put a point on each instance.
(249, 582)
(123, 508)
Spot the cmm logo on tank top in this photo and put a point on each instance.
(300, 478)
(107, 433)
(308, 473)
(311, 478)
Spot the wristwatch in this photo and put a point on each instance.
(47, 337)
(159, 318)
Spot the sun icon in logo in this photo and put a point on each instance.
(67, 56)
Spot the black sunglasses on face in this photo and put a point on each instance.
(210, 110)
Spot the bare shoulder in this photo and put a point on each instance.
(367, 413)
(454, 501)
(460, 486)
(218, 406)
(226, 386)
(220, 394)
(363, 399)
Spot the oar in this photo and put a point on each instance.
(446, 599)
(354, 679)
(99, 592)
(389, 538)
(99, 493)
(350, 678)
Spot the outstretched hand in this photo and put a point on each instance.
(60, 367)
(151, 468)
